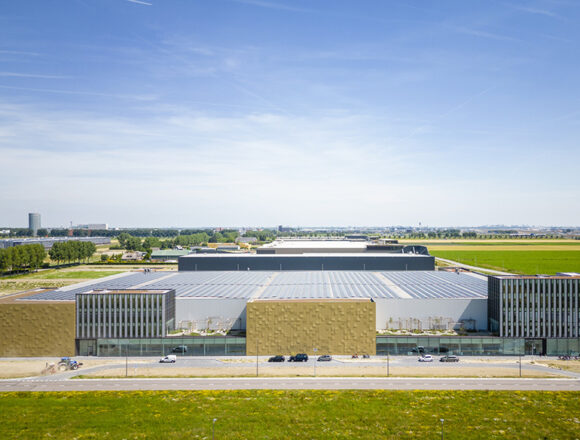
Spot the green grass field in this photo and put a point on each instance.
(291, 414)
(79, 274)
(522, 262)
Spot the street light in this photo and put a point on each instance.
(213, 429)
(315, 350)
(442, 420)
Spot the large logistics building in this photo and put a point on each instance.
(308, 261)
(272, 305)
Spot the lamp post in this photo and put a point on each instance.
(388, 372)
(256, 357)
(442, 420)
(314, 357)
(520, 365)
(213, 429)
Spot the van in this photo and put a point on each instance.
(169, 359)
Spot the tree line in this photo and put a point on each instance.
(72, 251)
(18, 258)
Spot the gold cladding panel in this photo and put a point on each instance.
(290, 327)
(37, 329)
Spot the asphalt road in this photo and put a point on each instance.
(334, 383)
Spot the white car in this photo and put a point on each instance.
(426, 358)
(169, 359)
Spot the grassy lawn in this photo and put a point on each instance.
(290, 414)
(79, 274)
(532, 261)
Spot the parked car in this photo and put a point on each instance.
(300, 357)
(325, 358)
(179, 349)
(169, 359)
(366, 356)
(278, 358)
(449, 359)
(426, 358)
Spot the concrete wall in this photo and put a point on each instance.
(374, 262)
(36, 328)
(292, 326)
(219, 312)
(429, 310)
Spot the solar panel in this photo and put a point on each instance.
(289, 285)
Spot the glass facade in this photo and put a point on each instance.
(476, 346)
(393, 345)
(124, 313)
(463, 346)
(534, 307)
(182, 346)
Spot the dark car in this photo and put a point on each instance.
(300, 357)
(325, 358)
(278, 358)
(449, 359)
(179, 349)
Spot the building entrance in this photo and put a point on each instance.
(535, 347)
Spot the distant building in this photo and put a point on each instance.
(246, 240)
(93, 226)
(34, 222)
(48, 242)
(133, 256)
(168, 255)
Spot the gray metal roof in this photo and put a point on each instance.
(291, 285)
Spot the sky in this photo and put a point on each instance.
(193, 113)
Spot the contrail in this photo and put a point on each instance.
(140, 2)
(448, 112)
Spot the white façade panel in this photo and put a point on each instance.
(430, 311)
(212, 313)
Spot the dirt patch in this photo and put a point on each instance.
(571, 365)
(294, 371)
(34, 367)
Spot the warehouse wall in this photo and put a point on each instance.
(389, 311)
(307, 262)
(293, 326)
(36, 328)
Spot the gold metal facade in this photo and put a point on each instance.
(338, 327)
(37, 329)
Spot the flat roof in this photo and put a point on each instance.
(308, 244)
(246, 285)
(309, 255)
(124, 291)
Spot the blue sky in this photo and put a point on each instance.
(266, 112)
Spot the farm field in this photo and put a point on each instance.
(515, 256)
(532, 261)
(290, 414)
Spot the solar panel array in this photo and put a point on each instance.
(426, 284)
(230, 285)
(291, 285)
(316, 285)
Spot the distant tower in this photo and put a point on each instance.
(34, 222)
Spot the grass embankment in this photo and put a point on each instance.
(290, 414)
(50, 278)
